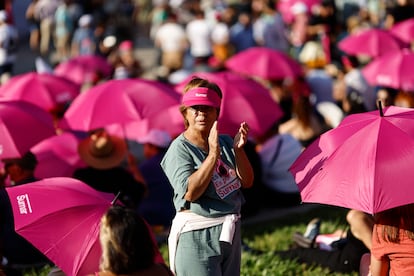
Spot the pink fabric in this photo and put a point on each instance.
(22, 125)
(358, 164)
(391, 70)
(201, 96)
(400, 254)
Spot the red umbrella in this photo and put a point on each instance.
(364, 163)
(83, 69)
(61, 217)
(57, 156)
(119, 102)
(370, 42)
(22, 125)
(243, 100)
(45, 90)
(404, 30)
(265, 63)
(392, 70)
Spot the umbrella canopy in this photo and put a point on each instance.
(22, 125)
(82, 69)
(265, 63)
(404, 30)
(118, 102)
(170, 120)
(61, 216)
(391, 70)
(364, 163)
(371, 42)
(45, 90)
(57, 156)
(243, 100)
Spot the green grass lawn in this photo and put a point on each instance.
(274, 235)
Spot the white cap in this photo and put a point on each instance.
(3, 16)
(156, 137)
(299, 7)
(85, 20)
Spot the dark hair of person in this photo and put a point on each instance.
(396, 219)
(127, 245)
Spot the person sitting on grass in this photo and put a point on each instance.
(343, 255)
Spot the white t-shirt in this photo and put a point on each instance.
(220, 33)
(198, 34)
(171, 37)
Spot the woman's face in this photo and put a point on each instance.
(201, 117)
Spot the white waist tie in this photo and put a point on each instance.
(188, 221)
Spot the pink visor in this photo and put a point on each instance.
(201, 96)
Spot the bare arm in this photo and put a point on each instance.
(243, 167)
(199, 180)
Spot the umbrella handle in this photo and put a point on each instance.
(116, 198)
(380, 108)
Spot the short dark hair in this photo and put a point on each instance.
(27, 162)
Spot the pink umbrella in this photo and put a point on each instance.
(82, 69)
(364, 163)
(45, 90)
(119, 102)
(61, 217)
(392, 70)
(404, 30)
(370, 42)
(170, 120)
(57, 156)
(285, 7)
(265, 63)
(22, 125)
(243, 100)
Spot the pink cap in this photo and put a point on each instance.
(126, 45)
(201, 96)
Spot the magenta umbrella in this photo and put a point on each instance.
(365, 163)
(119, 102)
(371, 42)
(243, 100)
(169, 120)
(265, 63)
(404, 30)
(22, 125)
(61, 216)
(57, 156)
(82, 69)
(392, 70)
(45, 90)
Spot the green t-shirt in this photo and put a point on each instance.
(222, 197)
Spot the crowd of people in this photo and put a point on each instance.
(199, 185)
